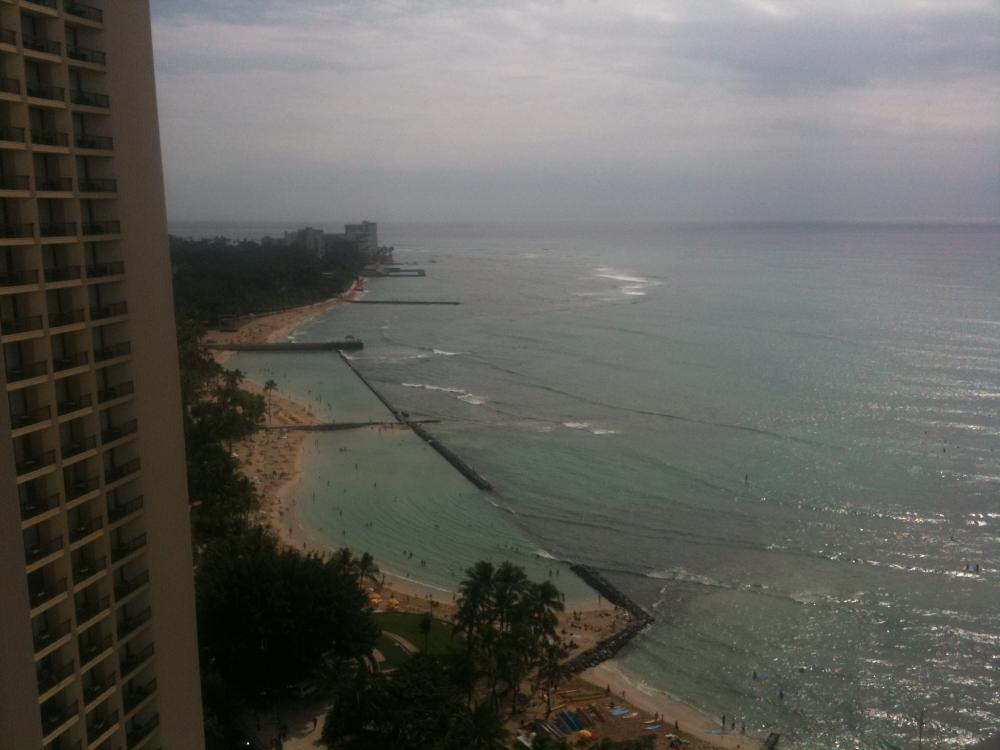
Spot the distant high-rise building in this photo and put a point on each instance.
(365, 235)
(97, 625)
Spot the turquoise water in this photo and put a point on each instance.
(782, 439)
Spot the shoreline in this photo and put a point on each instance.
(272, 459)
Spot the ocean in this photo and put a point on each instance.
(783, 440)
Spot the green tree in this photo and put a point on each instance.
(269, 387)
(425, 625)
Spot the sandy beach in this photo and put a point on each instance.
(271, 458)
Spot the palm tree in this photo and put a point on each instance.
(551, 672)
(424, 625)
(509, 586)
(486, 730)
(269, 387)
(475, 596)
(367, 568)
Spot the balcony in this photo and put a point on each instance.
(46, 3)
(31, 464)
(99, 726)
(123, 510)
(103, 270)
(57, 274)
(39, 550)
(92, 228)
(49, 138)
(78, 488)
(130, 624)
(45, 638)
(91, 99)
(85, 569)
(8, 37)
(67, 318)
(36, 506)
(84, 528)
(70, 361)
(14, 182)
(71, 405)
(88, 12)
(18, 278)
(19, 373)
(53, 719)
(20, 325)
(30, 417)
(38, 44)
(82, 54)
(93, 648)
(45, 91)
(117, 432)
(116, 473)
(139, 732)
(115, 392)
(79, 446)
(53, 184)
(49, 677)
(127, 587)
(57, 229)
(97, 688)
(47, 593)
(135, 696)
(113, 352)
(10, 85)
(92, 185)
(90, 609)
(16, 232)
(95, 142)
(11, 134)
(125, 549)
(133, 661)
(113, 310)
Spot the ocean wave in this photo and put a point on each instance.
(632, 285)
(443, 353)
(460, 393)
(587, 427)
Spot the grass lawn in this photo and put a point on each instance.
(394, 654)
(407, 625)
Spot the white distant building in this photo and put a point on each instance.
(365, 235)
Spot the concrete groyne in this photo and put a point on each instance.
(402, 302)
(314, 346)
(608, 647)
(337, 426)
(451, 457)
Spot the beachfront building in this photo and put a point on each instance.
(365, 237)
(97, 629)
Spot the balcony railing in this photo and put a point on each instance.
(70, 405)
(48, 636)
(134, 696)
(38, 44)
(67, 318)
(18, 278)
(102, 227)
(93, 647)
(94, 142)
(87, 55)
(94, 185)
(130, 624)
(98, 687)
(35, 506)
(11, 133)
(57, 229)
(133, 661)
(99, 270)
(79, 487)
(8, 37)
(115, 473)
(91, 609)
(54, 718)
(77, 447)
(125, 549)
(100, 725)
(30, 417)
(10, 85)
(62, 273)
(49, 677)
(84, 11)
(53, 184)
(14, 182)
(117, 432)
(126, 587)
(85, 527)
(116, 391)
(49, 138)
(46, 3)
(34, 463)
(47, 593)
(84, 569)
(16, 231)
(111, 352)
(20, 325)
(91, 99)
(139, 732)
(70, 361)
(17, 373)
(42, 549)
(44, 91)
(109, 311)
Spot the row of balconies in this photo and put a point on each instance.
(54, 138)
(36, 43)
(22, 373)
(58, 320)
(51, 94)
(91, 230)
(72, 8)
(30, 277)
(22, 184)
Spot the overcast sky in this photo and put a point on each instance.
(304, 110)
